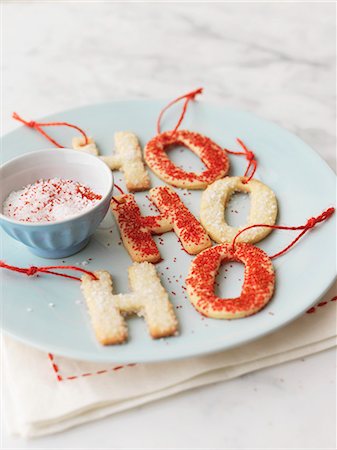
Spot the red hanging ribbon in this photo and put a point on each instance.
(310, 224)
(188, 97)
(33, 270)
(119, 188)
(121, 191)
(252, 163)
(37, 126)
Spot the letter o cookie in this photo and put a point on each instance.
(257, 289)
(210, 153)
(263, 209)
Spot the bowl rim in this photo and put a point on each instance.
(80, 154)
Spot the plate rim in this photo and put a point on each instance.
(80, 356)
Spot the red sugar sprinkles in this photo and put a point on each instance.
(49, 200)
(257, 289)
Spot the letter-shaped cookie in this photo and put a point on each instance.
(214, 199)
(210, 153)
(257, 289)
(147, 299)
(136, 230)
(192, 236)
(78, 143)
(128, 158)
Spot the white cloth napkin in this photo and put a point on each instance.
(37, 403)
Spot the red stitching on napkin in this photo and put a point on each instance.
(322, 303)
(59, 377)
(55, 367)
(314, 308)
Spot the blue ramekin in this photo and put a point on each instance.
(64, 237)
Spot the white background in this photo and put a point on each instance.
(276, 60)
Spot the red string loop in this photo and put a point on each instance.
(47, 269)
(250, 156)
(120, 190)
(37, 126)
(188, 97)
(311, 223)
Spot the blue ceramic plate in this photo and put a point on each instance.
(48, 312)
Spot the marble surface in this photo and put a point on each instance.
(276, 60)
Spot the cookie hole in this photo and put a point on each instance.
(237, 209)
(229, 280)
(184, 158)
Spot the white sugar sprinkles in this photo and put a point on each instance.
(48, 200)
